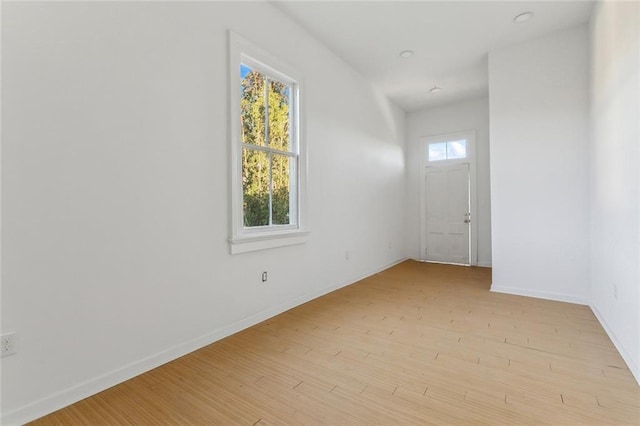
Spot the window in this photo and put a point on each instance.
(452, 150)
(269, 159)
(267, 156)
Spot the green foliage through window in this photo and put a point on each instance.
(268, 160)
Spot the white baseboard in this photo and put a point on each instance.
(558, 297)
(484, 264)
(626, 355)
(83, 390)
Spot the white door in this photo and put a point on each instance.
(447, 214)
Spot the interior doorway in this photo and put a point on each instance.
(448, 199)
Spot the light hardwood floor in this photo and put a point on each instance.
(416, 344)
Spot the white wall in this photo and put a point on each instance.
(614, 178)
(472, 114)
(538, 97)
(114, 185)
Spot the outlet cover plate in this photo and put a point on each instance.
(8, 344)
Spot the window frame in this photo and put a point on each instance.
(446, 142)
(244, 239)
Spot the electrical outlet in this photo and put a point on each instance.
(346, 255)
(8, 344)
(264, 277)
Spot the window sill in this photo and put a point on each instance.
(267, 240)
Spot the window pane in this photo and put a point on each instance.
(279, 115)
(255, 187)
(456, 149)
(252, 105)
(284, 192)
(437, 151)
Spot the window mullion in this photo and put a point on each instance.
(270, 188)
(267, 144)
(266, 149)
(266, 112)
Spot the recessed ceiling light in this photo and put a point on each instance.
(523, 17)
(406, 53)
(435, 89)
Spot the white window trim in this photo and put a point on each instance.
(241, 239)
(447, 160)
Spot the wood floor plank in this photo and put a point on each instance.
(415, 344)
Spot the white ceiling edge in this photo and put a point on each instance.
(368, 35)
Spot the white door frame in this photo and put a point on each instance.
(470, 136)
